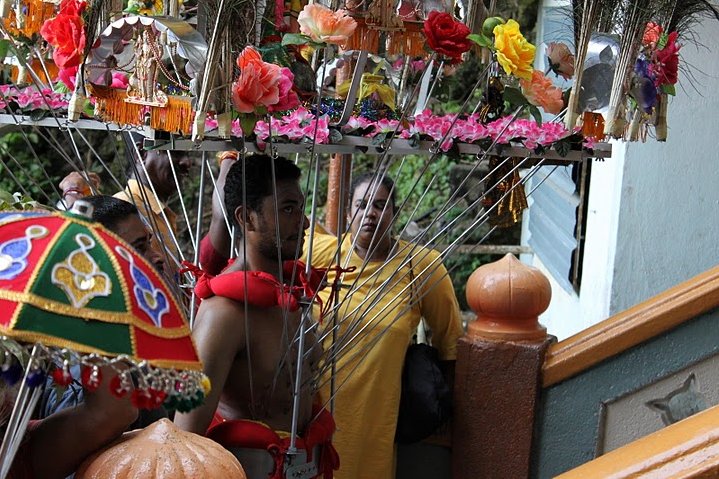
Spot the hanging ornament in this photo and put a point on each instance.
(504, 193)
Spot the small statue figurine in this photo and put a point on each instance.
(142, 87)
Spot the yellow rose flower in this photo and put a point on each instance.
(514, 52)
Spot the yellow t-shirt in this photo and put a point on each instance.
(375, 327)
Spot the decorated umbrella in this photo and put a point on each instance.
(76, 294)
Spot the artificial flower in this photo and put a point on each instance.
(667, 62)
(447, 36)
(67, 76)
(652, 33)
(642, 88)
(247, 56)
(561, 60)
(288, 98)
(258, 85)
(540, 91)
(145, 7)
(72, 7)
(514, 52)
(119, 80)
(299, 125)
(66, 34)
(29, 98)
(356, 123)
(323, 25)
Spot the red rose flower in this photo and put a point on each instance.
(66, 34)
(72, 7)
(447, 36)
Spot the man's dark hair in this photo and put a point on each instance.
(109, 211)
(257, 182)
(372, 178)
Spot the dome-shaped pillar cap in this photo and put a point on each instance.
(508, 297)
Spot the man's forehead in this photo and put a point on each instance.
(289, 190)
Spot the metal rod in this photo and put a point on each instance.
(306, 314)
(198, 230)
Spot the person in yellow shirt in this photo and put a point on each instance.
(150, 185)
(394, 284)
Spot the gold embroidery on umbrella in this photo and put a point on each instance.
(79, 276)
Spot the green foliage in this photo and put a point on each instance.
(16, 201)
(20, 170)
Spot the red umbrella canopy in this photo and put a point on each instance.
(67, 282)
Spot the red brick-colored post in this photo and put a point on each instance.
(338, 184)
(498, 368)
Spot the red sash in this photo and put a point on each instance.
(263, 289)
(257, 435)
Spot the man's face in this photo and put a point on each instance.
(370, 213)
(290, 221)
(159, 165)
(134, 231)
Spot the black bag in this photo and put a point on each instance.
(426, 400)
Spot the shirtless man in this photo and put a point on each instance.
(248, 350)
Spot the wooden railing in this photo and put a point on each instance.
(640, 323)
(688, 449)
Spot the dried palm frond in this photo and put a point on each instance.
(634, 16)
(685, 14)
(215, 78)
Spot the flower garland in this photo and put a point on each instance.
(30, 98)
(300, 126)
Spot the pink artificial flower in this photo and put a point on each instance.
(590, 142)
(119, 80)
(8, 90)
(210, 123)
(54, 100)
(236, 128)
(356, 123)
(67, 76)
(29, 98)
(288, 98)
(323, 25)
(418, 65)
(387, 126)
(540, 91)
(471, 130)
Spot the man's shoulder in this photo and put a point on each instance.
(219, 309)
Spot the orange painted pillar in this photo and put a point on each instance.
(338, 185)
(498, 368)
